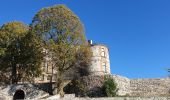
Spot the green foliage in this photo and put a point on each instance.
(53, 22)
(110, 87)
(63, 34)
(30, 58)
(9, 33)
(19, 52)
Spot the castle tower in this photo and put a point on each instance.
(100, 59)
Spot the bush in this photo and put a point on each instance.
(109, 86)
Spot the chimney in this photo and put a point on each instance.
(90, 42)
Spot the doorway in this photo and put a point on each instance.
(19, 94)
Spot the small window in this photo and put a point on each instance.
(103, 52)
(104, 67)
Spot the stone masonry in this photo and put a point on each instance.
(100, 63)
(142, 87)
(150, 87)
(123, 84)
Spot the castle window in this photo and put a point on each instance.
(104, 67)
(103, 52)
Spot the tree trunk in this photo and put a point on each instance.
(14, 75)
(59, 85)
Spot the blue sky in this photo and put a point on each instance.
(137, 32)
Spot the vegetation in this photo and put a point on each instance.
(63, 35)
(110, 87)
(56, 30)
(19, 53)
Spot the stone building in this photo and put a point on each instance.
(100, 63)
(100, 66)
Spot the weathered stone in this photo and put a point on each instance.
(30, 91)
(150, 87)
(100, 63)
(123, 84)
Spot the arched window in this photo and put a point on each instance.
(103, 52)
(104, 67)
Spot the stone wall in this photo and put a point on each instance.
(133, 87)
(31, 91)
(127, 87)
(123, 84)
(118, 98)
(150, 87)
(94, 82)
(143, 87)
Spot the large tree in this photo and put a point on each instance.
(20, 53)
(63, 33)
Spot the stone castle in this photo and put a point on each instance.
(133, 87)
(100, 66)
(100, 63)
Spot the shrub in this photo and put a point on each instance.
(110, 86)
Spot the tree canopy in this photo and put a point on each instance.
(10, 32)
(18, 52)
(56, 30)
(63, 33)
(53, 22)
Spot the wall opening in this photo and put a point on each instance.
(19, 94)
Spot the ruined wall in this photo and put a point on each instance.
(150, 87)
